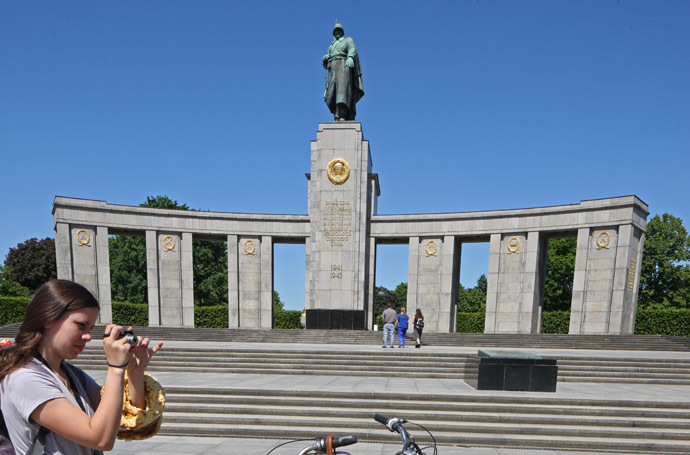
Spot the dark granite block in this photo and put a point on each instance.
(511, 370)
(335, 319)
(517, 376)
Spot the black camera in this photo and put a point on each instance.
(130, 336)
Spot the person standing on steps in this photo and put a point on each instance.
(418, 324)
(403, 319)
(388, 317)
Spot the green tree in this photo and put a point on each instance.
(278, 304)
(11, 288)
(665, 276)
(400, 292)
(473, 300)
(560, 270)
(382, 298)
(32, 262)
(128, 269)
(128, 264)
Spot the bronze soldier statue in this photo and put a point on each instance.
(344, 84)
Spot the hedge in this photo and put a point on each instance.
(211, 317)
(470, 323)
(134, 314)
(674, 322)
(287, 319)
(663, 322)
(555, 322)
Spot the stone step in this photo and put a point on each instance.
(628, 444)
(316, 337)
(542, 415)
(521, 421)
(368, 364)
(498, 426)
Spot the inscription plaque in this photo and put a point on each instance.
(337, 222)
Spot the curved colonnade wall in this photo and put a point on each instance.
(341, 232)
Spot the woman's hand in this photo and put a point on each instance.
(140, 356)
(116, 350)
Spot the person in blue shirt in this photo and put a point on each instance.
(403, 319)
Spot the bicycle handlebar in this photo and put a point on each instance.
(321, 444)
(395, 425)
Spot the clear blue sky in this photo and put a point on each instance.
(469, 105)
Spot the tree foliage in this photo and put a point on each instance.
(32, 262)
(11, 288)
(471, 300)
(665, 278)
(128, 264)
(560, 270)
(384, 297)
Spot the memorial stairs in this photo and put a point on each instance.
(512, 421)
(418, 364)
(367, 337)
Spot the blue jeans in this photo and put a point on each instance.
(402, 333)
(388, 330)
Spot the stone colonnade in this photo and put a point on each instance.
(341, 233)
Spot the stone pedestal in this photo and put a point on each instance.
(342, 196)
(511, 370)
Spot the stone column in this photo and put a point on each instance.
(412, 276)
(84, 257)
(187, 269)
(233, 283)
(63, 251)
(432, 284)
(490, 324)
(371, 317)
(170, 278)
(152, 278)
(250, 282)
(266, 314)
(339, 210)
(103, 274)
(626, 280)
(606, 280)
(450, 277)
(516, 266)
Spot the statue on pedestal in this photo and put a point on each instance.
(344, 84)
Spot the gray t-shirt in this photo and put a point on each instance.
(27, 388)
(389, 316)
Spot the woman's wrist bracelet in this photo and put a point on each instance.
(118, 366)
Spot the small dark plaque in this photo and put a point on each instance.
(335, 319)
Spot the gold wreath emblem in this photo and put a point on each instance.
(603, 240)
(513, 245)
(338, 171)
(168, 243)
(249, 247)
(83, 237)
(431, 248)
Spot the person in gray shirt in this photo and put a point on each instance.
(389, 317)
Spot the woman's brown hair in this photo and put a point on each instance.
(49, 303)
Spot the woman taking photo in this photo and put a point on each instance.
(45, 400)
